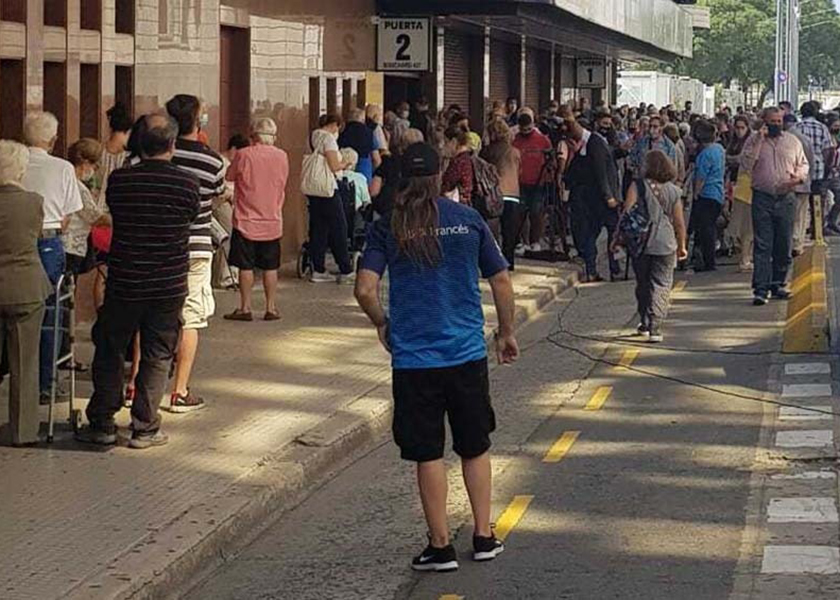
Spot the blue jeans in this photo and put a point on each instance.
(773, 227)
(52, 256)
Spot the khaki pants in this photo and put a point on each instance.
(20, 338)
(741, 227)
(800, 222)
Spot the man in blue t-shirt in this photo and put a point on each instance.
(435, 250)
(708, 189)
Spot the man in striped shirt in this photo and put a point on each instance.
(196, 158)
(153, 205)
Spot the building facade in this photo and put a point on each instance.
(296, 59)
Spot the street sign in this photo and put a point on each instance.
(404, 44)
(591, 73)
(783, 77)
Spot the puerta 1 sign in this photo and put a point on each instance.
(403, 44)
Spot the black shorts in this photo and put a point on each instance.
(423, 396)
(247, 254)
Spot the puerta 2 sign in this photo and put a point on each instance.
(403, 44)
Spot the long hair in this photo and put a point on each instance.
(415, 219)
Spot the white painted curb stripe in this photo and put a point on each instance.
(805, 390)
(802, 510)
(793, 413)
(815, 368)
(818, 438)
(823, 560)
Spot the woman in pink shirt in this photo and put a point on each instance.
(260, 173)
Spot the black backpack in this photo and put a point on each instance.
(487, 196)
(635, 224)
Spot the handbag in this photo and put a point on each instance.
(316, 178)
(743, 188)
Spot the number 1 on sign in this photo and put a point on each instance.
(591, 73)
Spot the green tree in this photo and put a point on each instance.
(740, 45)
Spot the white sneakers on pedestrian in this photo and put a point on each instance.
(325, 277)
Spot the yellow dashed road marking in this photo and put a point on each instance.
(513, 513)
(561, 447)
(628, 357)
(451, 597)
(598, 398)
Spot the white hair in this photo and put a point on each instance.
(350, 156)
(357, 115)
(373, 112)
(40, 128)
(14, 160)
(265, 129)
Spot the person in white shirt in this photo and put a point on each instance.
(55, 180)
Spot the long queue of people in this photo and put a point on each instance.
(726, 182)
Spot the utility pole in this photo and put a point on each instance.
(786, 84)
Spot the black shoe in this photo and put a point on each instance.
(780, 294)
(759, 300)
(440, 560)
(94, 435)
(486, 548)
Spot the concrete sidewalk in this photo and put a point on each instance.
(287, 401)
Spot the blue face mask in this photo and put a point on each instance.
(204, 120)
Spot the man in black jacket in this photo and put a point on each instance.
(592, 179)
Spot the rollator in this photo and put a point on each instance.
(63, 322)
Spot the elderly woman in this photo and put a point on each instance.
(84, 155)
(23, 288)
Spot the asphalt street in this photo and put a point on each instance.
(609, 482)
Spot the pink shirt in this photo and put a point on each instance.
(260, 173)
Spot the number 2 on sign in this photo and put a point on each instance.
(404, 41)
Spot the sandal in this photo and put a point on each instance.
(239, 315)
(272, 316)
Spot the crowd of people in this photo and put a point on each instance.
(159, 217)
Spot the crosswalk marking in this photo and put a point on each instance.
(598, 398)
(561, 447)
(513, 513)
(802, 413)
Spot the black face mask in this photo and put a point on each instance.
(774, 130)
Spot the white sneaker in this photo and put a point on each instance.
(349, 279)
(521, 249)
(536, 247)
(317, 277)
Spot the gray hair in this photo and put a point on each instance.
(357, 115)
(40, 128)
(265, 129)
(14, 161)
(411, 136)
(373, 112)
(160, 135)
(350, 156)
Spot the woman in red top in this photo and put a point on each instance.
(459, 174)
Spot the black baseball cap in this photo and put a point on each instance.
(420, 160)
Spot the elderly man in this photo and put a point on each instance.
(153, 205)
(360, 137)
(55, 180)
(818, 135)
(193, 156)
(777, 163)
(23, 288)
(260, 173)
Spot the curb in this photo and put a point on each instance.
(178, 554)
(806, 329)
